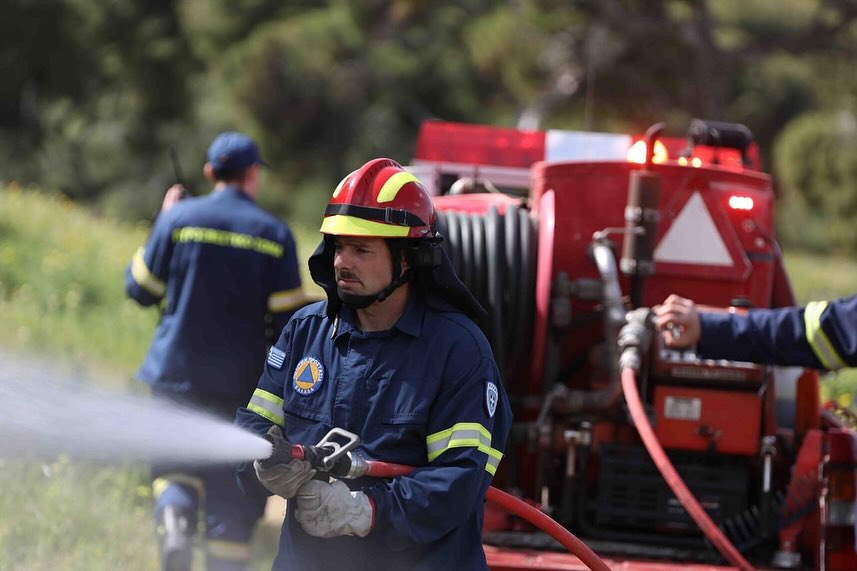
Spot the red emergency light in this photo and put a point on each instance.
(465, 143)
(737, 202)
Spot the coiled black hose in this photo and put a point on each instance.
(495, 256)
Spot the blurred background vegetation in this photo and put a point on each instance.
(95, 93)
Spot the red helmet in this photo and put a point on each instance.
(380, 200)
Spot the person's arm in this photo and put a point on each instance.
(287, 295)
(264, 410)
(146, 275)
(464, 447)
(822, 335)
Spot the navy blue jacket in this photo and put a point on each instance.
(822, 335)
(219, 265)
(425, 393)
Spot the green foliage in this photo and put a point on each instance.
(817, 169)
(61, 280)
(770, 94)
(94, 94)
(62, 299)
(107, 508)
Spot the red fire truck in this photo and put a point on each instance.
(654, 458)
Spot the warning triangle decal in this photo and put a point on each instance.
(693, 238)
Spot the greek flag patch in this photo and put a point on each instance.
(492, 395)
(276, 358)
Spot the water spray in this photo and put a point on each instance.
(45, 411)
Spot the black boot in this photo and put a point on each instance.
(174, 540)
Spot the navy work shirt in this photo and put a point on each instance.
(218, 265)
(822, 335)
(425, 393)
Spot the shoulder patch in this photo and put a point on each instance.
(308, 376)
(276, 358)
(492, 395)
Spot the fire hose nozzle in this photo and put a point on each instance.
(331, 454)
(281, 451)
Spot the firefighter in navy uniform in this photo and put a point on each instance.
(223, 271)
(394, 356)
(820, 335)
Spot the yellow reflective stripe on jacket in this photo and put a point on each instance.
(464, 435)
(229, 550)
(267, 405)
(230, 239)
(285, 300)
(160, 484)
(393, 185)
(144, 277)
(817, 339)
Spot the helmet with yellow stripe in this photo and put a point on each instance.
(383, 200)
(380, 200)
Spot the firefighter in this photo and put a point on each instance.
(821, 335)
(223, 271)
(394, 356)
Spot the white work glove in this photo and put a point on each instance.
(283, 478)
(331, 510)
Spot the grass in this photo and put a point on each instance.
(62, 298)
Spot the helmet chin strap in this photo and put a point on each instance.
(355, 301)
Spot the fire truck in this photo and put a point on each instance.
(654, 458)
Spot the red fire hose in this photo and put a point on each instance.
(684, 495)
(516, 506)
(319, 455)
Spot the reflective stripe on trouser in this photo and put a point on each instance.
(229, 515)
(182, 492)
(463, 435)
(161, 483)
(817, 339)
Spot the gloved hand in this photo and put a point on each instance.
(331, 510)
(285, 477)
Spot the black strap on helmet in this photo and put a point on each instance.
(388, 215)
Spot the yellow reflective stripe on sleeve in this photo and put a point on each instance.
(160, 484)
(144, 277)
(228, 239)
(285, 300)
(267, 405)
(229, 550)
(464, 435)
(394, 184)
(494, 458)
(340, 225)
(816, 337)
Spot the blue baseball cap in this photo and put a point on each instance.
(234, 152)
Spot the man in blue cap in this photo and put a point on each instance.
(224, 273)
